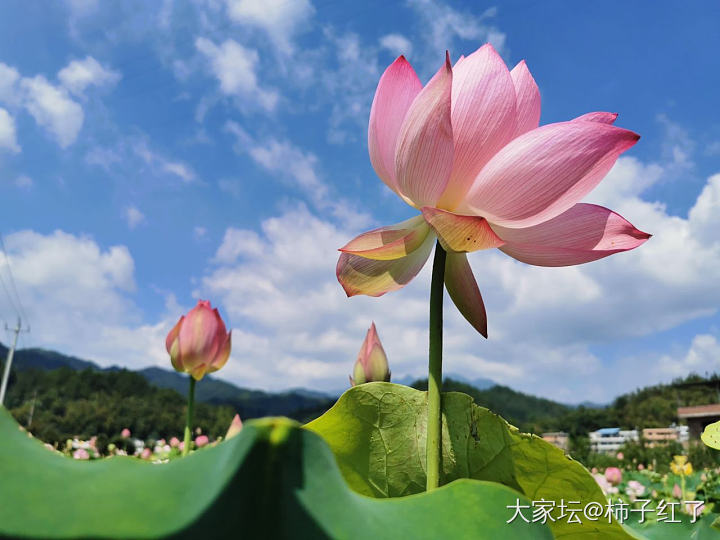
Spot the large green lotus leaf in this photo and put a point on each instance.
(273, 480)
(702, 529)
(378, 430)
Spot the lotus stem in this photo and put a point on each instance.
(188, 424)
(434, 418)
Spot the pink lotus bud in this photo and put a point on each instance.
(613, 475)
(677, 492)
(174, 442)
(81, 453)
(594, 470)
(640, 467)
(161, 442)
(125, 433)
(201, 441)
(199, 343)
(146, 453)
(235, 427)
(620, 456)
(181, 446)
(371, 364)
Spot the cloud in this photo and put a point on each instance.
(443, 26)
(81, 7)
(235, 67)
(133, 216)
(9, 85)
(280, 19)
(397, 44)
(53, 109)
(79, 74)
(24, 182)
(78, 298)
(161, 163)
(298, 169)
(8, 136)
(703, 357)
(278, 285)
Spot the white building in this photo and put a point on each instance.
(608, 440)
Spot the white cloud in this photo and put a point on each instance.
(79, 74)
(297, 168)
(235, 67)
(78, 298)
(133, 216)
(278, 284)
(53, 109)
(9, 87)
(397, 44)
(24, 182)
(281, 19)
(81, 7)
(8, 136)
(162, 164)
(199, 232)
(702, 357)
(443, 26)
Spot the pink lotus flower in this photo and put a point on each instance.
(235, 427)
(125, 433)
(201, 441)
(677, 492)
(81, 453)
(467, 152)
(199, 343)
(613, 475)
(640, 467)
(371, 364)
(174, 442)
(620, 456)
(146, 453)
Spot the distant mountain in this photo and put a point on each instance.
(44, 359)
(296, 403)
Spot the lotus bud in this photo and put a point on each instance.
(371, 364)
(199, 343)
(677, 492)
(235, 427)
(201, 441)
(613, 475)
(146, 453)
(174, 442)
(125, 433)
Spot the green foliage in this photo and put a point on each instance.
(377, 432)
(68, 403)
(273, 480)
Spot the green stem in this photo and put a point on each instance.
(434, 419)
(188, 424)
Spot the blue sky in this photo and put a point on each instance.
(156, 153)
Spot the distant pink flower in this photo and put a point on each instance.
(201, 441)
(677, 492)
(620, 456)
(81, 453)
(181, 446)
(606, 487)
(594, 470)
(146, 453)
(199, 343)
(634, 489)
(613, 475)
(235, 427)
(161, 442)
(371, 364)
(125, 433)
(466, 151)
(694, 509)
(640, 467)
(174, 442)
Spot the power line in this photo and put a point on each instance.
(19, 309)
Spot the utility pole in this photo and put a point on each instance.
(8, 362)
